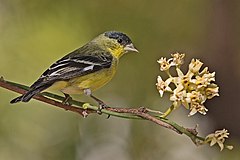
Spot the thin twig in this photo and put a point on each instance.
(41, 98)
(129, 113)
(142, 113)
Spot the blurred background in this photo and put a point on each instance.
(34, 34)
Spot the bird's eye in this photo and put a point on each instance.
(120, 40)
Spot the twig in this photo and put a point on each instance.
(129, 113)
(141, 112)
(41, 98)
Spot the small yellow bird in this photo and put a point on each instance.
(85, 69)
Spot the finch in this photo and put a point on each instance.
(85, 69)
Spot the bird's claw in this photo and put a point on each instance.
(100, 107)
(101, 104)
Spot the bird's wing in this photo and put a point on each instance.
(74, 65)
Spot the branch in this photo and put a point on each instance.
(84, 109)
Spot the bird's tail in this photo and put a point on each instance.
(27, 96)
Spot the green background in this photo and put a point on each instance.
(34, 34)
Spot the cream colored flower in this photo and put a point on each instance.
(204, 71)
(191, 89)
(197, 107)
(195, 97)
(164, 64)
(218, 138)
(195, 66)
(178, 96)
(201, 82)
(182, 79)
(210, 77)
(205, 79)
(178, 59)
(212, 92)
(163, 86)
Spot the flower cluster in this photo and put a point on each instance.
(218, 138)
(191, 89)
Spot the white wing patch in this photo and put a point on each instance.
(88, 68)
(85, 62)
(58, 65)
(62, 70)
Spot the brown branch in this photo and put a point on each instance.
(141, 112)
(135, 112)
(41, 98)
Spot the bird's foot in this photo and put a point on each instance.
(101, 104)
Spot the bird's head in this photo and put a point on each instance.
(116, 42)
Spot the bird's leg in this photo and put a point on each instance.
(101, 104)
(67, 99)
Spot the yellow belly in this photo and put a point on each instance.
(91, 81)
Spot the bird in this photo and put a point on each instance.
(85, 69)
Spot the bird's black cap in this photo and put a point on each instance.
(122, 38)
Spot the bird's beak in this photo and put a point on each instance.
(130, 47)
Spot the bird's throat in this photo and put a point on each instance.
(117, 52)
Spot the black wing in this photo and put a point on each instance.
(80, 62)
(74, 66)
